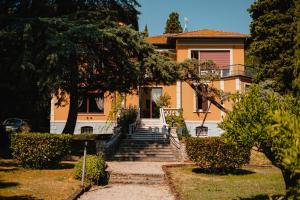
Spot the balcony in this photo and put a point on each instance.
(237, 70)
(232, 70)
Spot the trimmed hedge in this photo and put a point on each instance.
(40, 150)
(215, 156)
(95, 169)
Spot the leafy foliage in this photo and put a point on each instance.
(173, 24)
(215, 155)
(269, 121)
(39, 150)
(127, 117)
(95, 169)
(178, 122)
(60, 43)
(164, 101)
(273, 31)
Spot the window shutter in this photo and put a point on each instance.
(220, 58)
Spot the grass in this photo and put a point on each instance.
(26, 184)
(248, 183)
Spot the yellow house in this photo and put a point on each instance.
(226, 49)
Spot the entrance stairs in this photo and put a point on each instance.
(147, 143)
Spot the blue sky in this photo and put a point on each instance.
(226, 15)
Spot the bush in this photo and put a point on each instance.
(215, 156)
(40, 150)
(95, 169)
(128, 116)
(178, 121)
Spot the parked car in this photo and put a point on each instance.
(16, 125)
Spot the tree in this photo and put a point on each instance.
(297, 53)
(145, 32)
(273, 30)
(173, 24)
(38, 28)
(270, 122)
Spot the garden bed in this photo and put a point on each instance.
(19, 183)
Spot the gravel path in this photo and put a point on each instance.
(137, 167)
(129, 192)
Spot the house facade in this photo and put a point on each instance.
(225, 49)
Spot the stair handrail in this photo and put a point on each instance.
(133, 126)
(166, 129)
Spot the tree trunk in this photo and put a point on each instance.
(292, 183)
(73, 110)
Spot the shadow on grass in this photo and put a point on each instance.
(222, 172)
(20, 197)
(8, 163)
(9, 170)
(261, 197)
(4, 184)
(62, 165)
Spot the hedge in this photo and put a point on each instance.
(216, 156)
(40, 150)
(95, 169)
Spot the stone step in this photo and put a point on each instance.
(144, 146)
(145, 159)
(147, 179)
(145, 154)
(145, 149)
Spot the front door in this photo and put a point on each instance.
(149, 96)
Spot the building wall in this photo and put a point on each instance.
(187, 99)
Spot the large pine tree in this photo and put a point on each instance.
(273, 31)
(173, 24)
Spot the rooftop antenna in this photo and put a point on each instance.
(186, 21)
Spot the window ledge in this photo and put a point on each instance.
(201, 111)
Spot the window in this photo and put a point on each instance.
(220, 57)
(201, 103)
(91, 103)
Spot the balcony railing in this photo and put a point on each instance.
(233, 70)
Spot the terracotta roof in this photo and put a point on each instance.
(211, 33)
(203, 33)
(159, 39)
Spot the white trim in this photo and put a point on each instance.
(80, 121)
(238, 84)
(222, 87)
(178, 94)
(52, 109)
(195, 121)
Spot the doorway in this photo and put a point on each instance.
(149, 96)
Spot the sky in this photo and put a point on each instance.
(226, 15)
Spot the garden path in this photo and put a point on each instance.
(132, 191)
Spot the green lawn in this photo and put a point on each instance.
(32, 184)
(251, 183)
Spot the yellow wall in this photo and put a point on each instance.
(182, 50)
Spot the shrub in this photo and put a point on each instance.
(95, 169)
(128, 116)
(39, 150)
(178, 122)
(215, 156)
